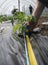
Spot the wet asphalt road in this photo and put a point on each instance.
(11, 51)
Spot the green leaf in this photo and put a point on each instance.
(33, 19)
(16, 27)
(28, 18)
(0, 20)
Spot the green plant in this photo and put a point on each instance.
(20, 16)
(5, 18)
(16, 27)
(0, 19)
(21, 19)
(33, 19)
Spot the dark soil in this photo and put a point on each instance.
(45, 28)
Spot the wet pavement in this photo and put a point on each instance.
(11, 51)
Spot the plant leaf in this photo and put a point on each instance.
(16, 27)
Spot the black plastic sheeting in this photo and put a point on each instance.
(40, 47)
(12, 48)
(11, 52)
